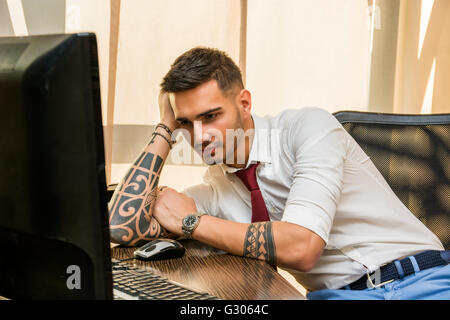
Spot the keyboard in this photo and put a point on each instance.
(133, 283)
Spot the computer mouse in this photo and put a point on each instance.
(160, 249)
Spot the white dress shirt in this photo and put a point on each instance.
(312, 173)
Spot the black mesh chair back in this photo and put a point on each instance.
(412, 152)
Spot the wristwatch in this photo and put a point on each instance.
(190, 222)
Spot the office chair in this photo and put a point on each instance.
(412, 152)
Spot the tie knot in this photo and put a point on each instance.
(248, 177)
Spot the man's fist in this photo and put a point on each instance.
(171, 208)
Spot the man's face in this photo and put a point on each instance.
(208, 116)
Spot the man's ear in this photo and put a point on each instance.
(245, 100)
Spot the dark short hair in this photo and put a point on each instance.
(199, 65)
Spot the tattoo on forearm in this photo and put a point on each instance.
(131, 208)
(259, 243)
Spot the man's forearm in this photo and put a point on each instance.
(279, 243)
(253, 240)
(130, 208)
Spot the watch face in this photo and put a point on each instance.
(190, 221)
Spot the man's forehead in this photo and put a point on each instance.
(179, 117)
(197, 110)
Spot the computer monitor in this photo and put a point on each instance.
(54, 232)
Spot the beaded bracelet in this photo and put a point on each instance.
(168, 131)
(164, 127)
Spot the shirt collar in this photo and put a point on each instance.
(260, 149)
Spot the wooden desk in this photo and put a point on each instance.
(223, 275)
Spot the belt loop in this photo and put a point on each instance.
(414, 263)
(400, 271)
(445, 255)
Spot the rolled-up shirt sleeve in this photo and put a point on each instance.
(318, 146)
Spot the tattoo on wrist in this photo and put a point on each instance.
(259, 243)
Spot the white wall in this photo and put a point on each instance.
(308, 53)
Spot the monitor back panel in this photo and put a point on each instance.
(54, 236)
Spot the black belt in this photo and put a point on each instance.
(400, 268)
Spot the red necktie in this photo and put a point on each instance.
(248, 177)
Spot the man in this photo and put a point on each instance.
(294, 190)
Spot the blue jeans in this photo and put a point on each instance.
(433, 283)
